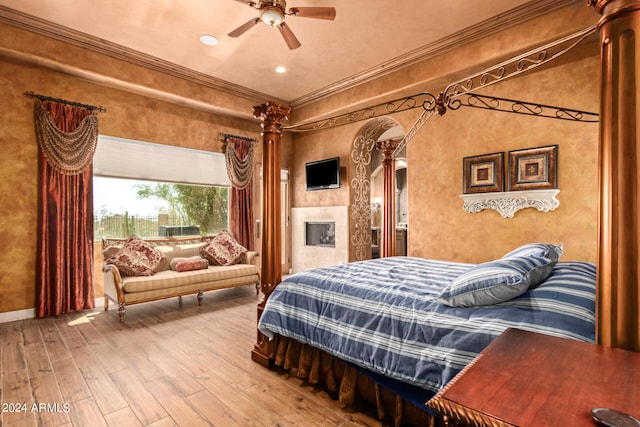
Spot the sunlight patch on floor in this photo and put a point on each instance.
(86, 318)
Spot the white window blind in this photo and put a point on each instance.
(126, 158)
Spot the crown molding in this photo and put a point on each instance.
(476, 32)
(58, 32)
(490, 26)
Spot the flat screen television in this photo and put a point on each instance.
(323, 174)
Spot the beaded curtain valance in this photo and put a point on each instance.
(238, 153)
(69, 153)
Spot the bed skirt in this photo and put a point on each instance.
(346, 383)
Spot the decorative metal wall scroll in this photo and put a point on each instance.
(521, 107)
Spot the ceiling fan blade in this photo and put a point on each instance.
(314, 12)
(243, 28)
(288, 36)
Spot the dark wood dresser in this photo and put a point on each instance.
(530, 379)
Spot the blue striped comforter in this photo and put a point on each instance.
(381, 315)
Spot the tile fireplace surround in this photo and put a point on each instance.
(305, 257)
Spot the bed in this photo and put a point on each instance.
(396, 321)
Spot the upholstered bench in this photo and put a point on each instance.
(140, 270)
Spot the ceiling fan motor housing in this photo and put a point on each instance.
(272, 12)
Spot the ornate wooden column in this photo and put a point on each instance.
(618, 297)
(272, 115)
(388, 243)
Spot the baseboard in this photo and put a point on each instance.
(30, 313)
(12, 316)
(100, 304)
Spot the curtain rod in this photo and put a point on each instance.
(244, 138)
(31, 94)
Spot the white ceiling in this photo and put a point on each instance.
(366, 38)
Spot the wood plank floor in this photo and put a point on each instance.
(170, 364)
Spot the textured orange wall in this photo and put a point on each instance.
(317, 146)
(439, 228)
(128, 115)
(18, 192)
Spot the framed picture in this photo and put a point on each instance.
(533, 168)
(483, 174)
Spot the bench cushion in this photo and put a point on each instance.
(135, 297)
(171, 279)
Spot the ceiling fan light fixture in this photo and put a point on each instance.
(272, 16)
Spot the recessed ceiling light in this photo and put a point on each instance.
(281, 70)
(208, 39)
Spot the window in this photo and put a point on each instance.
(123, 207)
(156, 190)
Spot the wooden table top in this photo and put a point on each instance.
(526, 378)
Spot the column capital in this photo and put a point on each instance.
(272, 113)
(388, 147)
(612, 8)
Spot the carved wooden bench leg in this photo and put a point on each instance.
(258, 287)
(121, 310)
(200, 297)
(106, 303)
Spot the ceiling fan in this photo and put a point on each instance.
(272, 13)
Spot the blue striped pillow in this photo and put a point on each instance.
(545, 250)
(496, 281)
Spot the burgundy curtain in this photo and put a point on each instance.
(239, 154)
(242, 216)
(65, 236)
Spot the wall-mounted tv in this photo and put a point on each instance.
(323, 174)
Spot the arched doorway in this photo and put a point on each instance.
(360, 172)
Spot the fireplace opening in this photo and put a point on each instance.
(320, 234)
